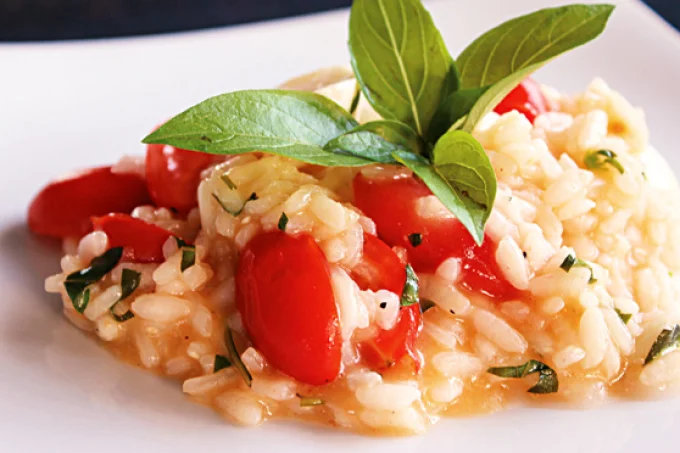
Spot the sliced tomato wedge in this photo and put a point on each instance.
(142, 242)
(391, 204)
(380, 268)
(286, 301)
(527, 98)
(173, 175)
(64, 207)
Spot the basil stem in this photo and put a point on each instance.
(571, 261)
(547, 378)
(130, 280)
(415, 239)
(235, 358)
(667, 341)
(598, 159)
(283, 221)
(221, 362)
(77, 282)
(409, 295)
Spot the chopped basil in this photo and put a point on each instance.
(409, 295)
(547, 378)
(253, 196)
(598, 159)
(625, 317)
(77, 282)
(188, 257)
(667, 341)
(130, 280)
(571, 261)
(355, 99)
(180, 242)
(221, 362)
(426, 304)
(235, 357)
(308, 401)
(415, 239)
(227, 180)
(283, 221)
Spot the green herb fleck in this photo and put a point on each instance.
(130, 280)
(221, 362)
(227, 180)
(667, 341)
(235, 358)
(77, 282)
(571, 261)
(415, 239)
(308, 401)
(598, 159)
(547, 378)
(625, 317)
(355, 100)
(253, 196)
(188, 257)
(409, 295)
(283, 221)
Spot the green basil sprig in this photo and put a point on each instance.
(77, 282)
(430, 103)
(667, 341)
(129, 282)
(547, 378)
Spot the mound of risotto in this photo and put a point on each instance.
(353, 296)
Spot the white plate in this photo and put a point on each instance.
(66, 105)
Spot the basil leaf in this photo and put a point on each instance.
(506, 55)
(283, 221)
(453, 108)
(528, 41)
(377, 141)
(667, 341)
(253, 196)
(221, 362)
(294, 124)
(625, 317)
(467, 211)
(547, 378)
(77, 282)
(188, 257)
(598, 159)
(409, 295)
(462, 161)
(399, 59)
(235, 357)
(571, 261)
(415, 239)
(308, 401)
(129, 282)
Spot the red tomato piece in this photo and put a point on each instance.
(142, 242)
(392, 206)
(380, 268)
(285, 297)
(173, 175)
(527, 98)
(64, 207)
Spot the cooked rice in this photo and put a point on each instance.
(548, 206)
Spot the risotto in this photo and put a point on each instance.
(271, 287)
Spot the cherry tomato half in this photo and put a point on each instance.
(527, 98)
(64, 207)
(392, 206)
(380, 268)
(285, 297)
(142, 242)
(173, 175)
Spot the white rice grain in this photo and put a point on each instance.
(241, 408)
(593, 336)
(512, 263)
(457, 364)
(498, 331)
(160, 308)
(387, 397)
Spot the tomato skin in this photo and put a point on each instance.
(392, 206)
(64, 207)
(380, 268)
(286, 301)
(173, 175)
(527, 98)
(142, 242)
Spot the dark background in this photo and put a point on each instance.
(36, 20)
